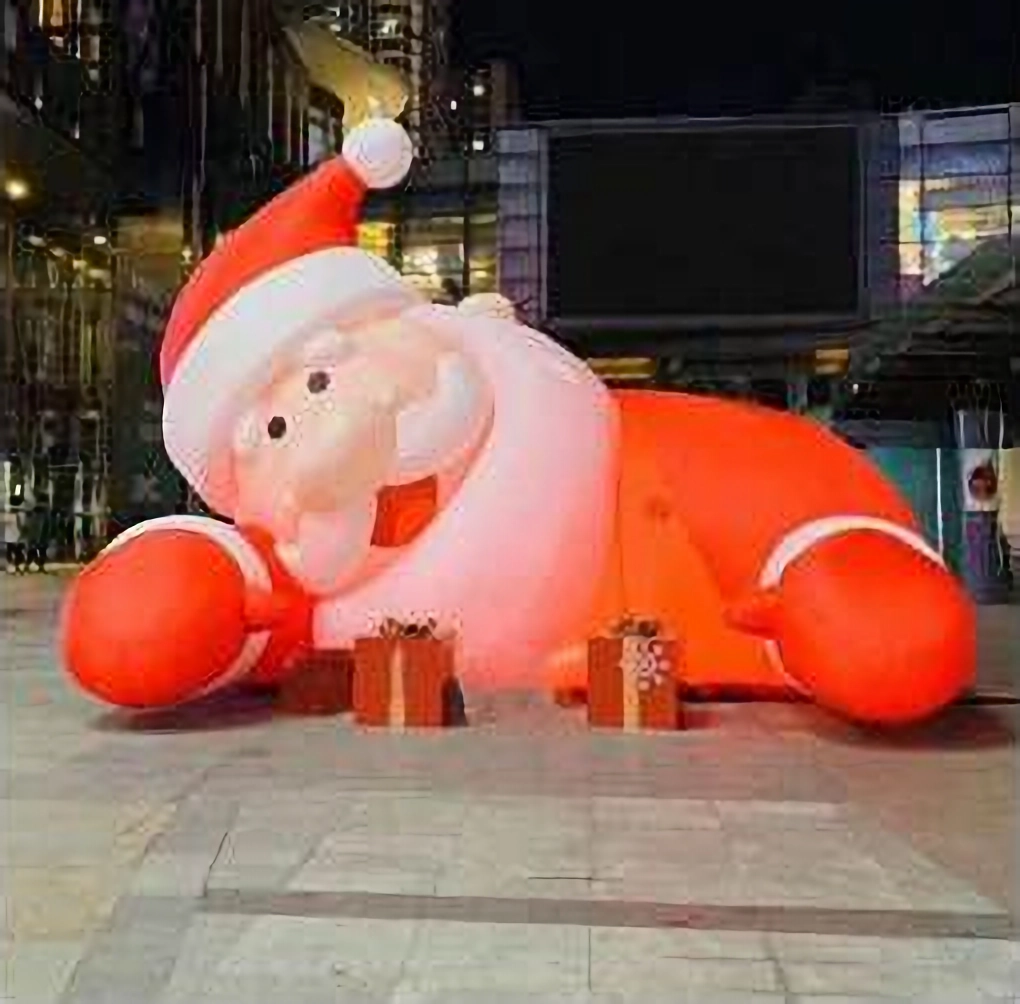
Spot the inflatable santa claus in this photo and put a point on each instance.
(380, 456)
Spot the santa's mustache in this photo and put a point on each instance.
(325, 549)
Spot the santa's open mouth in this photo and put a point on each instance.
(333, 550)
(403, 512)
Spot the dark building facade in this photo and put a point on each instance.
(132, 134)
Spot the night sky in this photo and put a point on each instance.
(630, 57)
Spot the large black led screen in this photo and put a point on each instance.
(730, 222)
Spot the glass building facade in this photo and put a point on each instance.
(959, 189)
(446, 256)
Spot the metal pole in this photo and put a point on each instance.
(7, 334)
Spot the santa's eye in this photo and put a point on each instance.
(277, 427)
(318, 381)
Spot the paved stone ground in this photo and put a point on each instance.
(767, 855)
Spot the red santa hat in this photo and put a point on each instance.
(288, 272)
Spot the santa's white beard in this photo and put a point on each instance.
(330, 549)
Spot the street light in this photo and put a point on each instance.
(99, 240)
(15, 189)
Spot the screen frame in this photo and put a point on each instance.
(577, 323)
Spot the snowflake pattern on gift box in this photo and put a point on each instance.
(644, 660)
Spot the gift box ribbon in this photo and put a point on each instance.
(642, 667)
(398, 703)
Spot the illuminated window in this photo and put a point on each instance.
(483, 281)
(954, 192)
(433, 253)
(378, 238)
(910, 211)
(911, 259)
(52, 14)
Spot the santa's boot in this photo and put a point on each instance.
(177, 608)
(862, 616)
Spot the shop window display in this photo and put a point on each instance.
(955, 193)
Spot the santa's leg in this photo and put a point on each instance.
(864, 618)
(177, 608)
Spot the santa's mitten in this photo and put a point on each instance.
(175, 609)
(863, 617)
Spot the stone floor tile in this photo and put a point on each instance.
(855, 949)
(361, 955)
(414, 852)
(334, 875)
(396, 813)
(623, 943)
(197, 827)
(60, 903)
(40, 833)
(950, 997)
(623, 815)
(172, 875)
(274, 877)
(889, 979)
(497, 957)
(286, 990)
(697, 995)
(38, 971)
(614, 853)
(693, 882)
(513, 883)
(660, 973)
(206, 942)
(780, 815)
(923, 882)
(410, 996)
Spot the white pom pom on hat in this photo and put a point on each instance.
(493, 305)
(379, 152)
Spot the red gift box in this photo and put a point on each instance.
(402, 682)
(320, 685)
(632, 683)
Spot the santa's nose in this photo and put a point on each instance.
(336, 458)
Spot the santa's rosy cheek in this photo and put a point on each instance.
(435, 433)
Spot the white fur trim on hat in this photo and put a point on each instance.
(233, 354)
(379, 152)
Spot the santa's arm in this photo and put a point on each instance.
(177, 608)
(862, 616)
